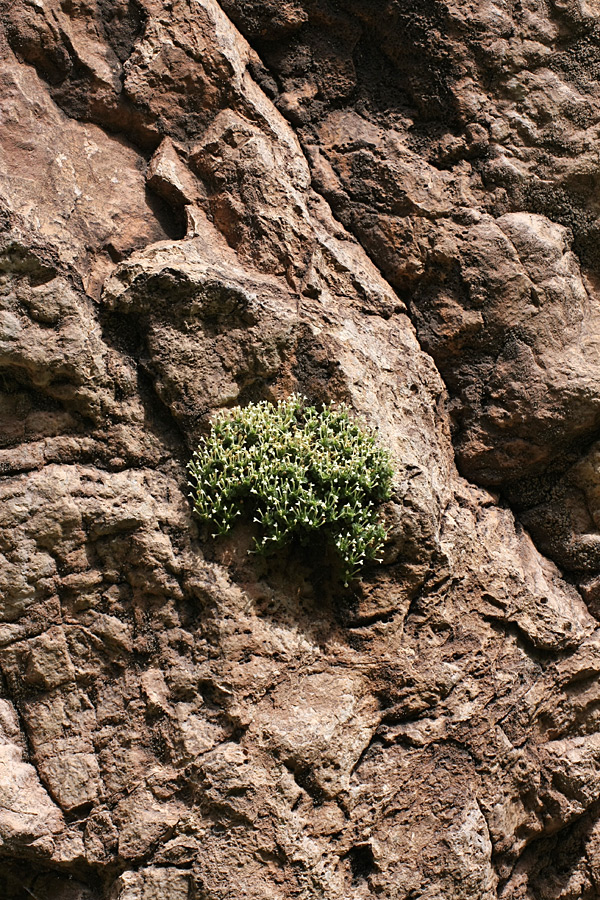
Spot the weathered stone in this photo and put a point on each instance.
(190, 222)
(50, 183)
(322, 744)
(29, 821)
(152, 884)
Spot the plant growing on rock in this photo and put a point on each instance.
(298, 471)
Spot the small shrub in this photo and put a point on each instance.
(298, 470)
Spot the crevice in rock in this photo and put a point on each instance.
(362, 861)
(304, 778)
(247, 648)
(171, 218)
(29, 880)
(553, 858)
(513, 494)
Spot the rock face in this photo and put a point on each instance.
(393, 205)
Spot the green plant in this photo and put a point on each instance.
(298, 470)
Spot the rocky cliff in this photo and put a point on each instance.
(394, 204)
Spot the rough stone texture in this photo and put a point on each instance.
(394, 205)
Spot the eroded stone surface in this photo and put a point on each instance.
(205, 205)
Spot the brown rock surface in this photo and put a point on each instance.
(394, 205)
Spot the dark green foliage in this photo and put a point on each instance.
(297, 471)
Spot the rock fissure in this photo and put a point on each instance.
(165, 664)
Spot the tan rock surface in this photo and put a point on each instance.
(395, 206)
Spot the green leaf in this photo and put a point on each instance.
(294, 470)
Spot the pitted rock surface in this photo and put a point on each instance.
(393, 205)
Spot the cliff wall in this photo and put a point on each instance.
(393, 204)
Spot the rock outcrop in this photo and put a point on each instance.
(393, 205)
